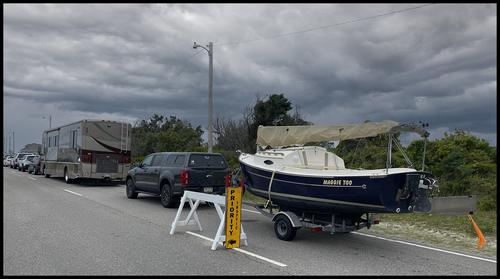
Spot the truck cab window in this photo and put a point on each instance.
(179, 160)
(157, 160)
(147, 161)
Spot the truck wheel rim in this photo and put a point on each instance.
(164, 197)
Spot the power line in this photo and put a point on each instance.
(327, 26)
(187, 60)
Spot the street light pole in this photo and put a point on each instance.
(50, 120)
(210, 51)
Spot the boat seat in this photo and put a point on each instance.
(314, 158)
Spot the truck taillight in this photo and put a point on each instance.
(228, 180)
(184, 177)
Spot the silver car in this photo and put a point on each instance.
(24, 161)
(6, 161)
(34, 165)
(19, 156)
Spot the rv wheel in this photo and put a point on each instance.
(130, 188)
(66, 177)
(283, 228)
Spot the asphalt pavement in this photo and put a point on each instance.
(54, 228)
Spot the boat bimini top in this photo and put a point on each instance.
(288, 135)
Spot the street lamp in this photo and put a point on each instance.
(210, 51)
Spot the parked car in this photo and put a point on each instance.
(6, 160)
(34, 165)
(23, 163)
(19, 156)
(168, 174)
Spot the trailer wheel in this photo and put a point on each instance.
(284, 229)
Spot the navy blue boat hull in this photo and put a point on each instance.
(329, 195)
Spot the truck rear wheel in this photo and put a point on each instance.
(167, 200)
(284, 229)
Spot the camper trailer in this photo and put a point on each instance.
(87, 149)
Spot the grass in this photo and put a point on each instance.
(486, 220)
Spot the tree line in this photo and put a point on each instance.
(463, 163)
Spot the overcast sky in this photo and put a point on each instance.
(338, 63)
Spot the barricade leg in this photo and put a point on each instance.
(243, 236)
(193, 213)
(179, 211)
(221, 227)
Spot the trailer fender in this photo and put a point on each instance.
(291, 216)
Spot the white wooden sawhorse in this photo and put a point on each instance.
(192, 217)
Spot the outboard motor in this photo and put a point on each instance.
(426, 185)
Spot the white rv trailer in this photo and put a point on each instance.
(87, 149)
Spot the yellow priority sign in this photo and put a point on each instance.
(233, 217)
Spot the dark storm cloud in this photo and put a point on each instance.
(436, 63)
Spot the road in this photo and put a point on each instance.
(53, 228)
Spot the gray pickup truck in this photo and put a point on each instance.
(168, 174)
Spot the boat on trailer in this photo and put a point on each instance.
(310, 186)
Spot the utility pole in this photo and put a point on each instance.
(210, 102)
(13, 143)
(50, 121)
(210, 51)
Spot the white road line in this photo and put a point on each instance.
(426, 247)
(251, 210)
(412, 244)
(32, 178)
(241, 250)
(72, 192)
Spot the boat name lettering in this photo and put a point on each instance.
(337, 182)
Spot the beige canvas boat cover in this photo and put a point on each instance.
(288, 135)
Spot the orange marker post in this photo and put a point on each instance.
(481, 242)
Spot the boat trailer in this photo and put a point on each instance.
(286, 223)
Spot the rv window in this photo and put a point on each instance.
(50, 141)
(73, 138)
